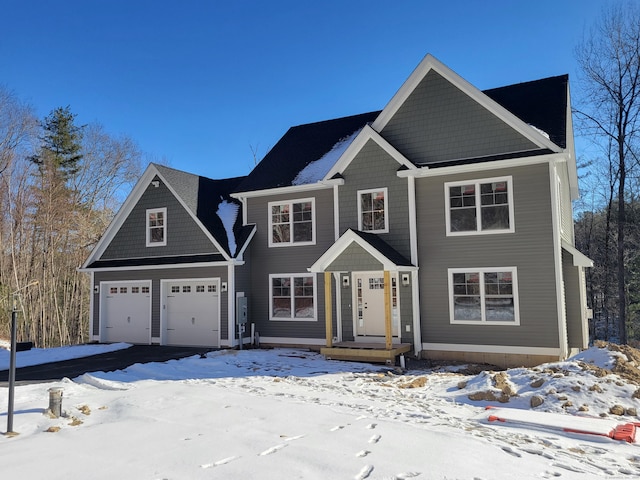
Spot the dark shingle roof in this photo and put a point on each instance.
(541, 103)
(203, 196)
(299, 147)
(384, 248)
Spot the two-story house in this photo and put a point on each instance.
(440, 225)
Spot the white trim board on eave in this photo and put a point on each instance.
(367, 133)
(130, 202)
(429, 63)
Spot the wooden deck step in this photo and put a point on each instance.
(365, 352)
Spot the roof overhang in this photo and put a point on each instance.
(579, 258)
(348, 238)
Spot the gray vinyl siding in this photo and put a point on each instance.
(438, 122)
(354, 258)
(155, 276)
(566, 211)
(374, 168)
(292, 259)
(530, 249)
(575, 325)
(184, 236)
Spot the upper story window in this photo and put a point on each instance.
(373, 211)
(292, 222)
(479, 206)
(156, 227)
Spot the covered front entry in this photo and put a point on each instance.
(125, 312)
(369, 299)
(363, 316)
(191, 312)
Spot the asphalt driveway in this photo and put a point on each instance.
(105, 362)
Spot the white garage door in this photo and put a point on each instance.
(191, 312)
(126, 312)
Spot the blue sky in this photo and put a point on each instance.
(200, 84)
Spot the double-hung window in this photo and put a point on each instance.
(484, 296)
(479, 206)
(292, 222)
(292, 297)
(373, 211)
(156, 227)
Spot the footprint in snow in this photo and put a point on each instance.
(336, 428)
(291, 439)
(371, 426)
(364, 473)
(375, 439)
(405, 475)
(511, 451)
(219, 462)
(363, 453)
(274, 449)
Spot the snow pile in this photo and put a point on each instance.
(316, 170)
(285, 413)
(228, 212)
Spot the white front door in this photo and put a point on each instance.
(369, 308)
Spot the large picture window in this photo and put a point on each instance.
(482, 206)
(293, 297)
(292, 223)
(156, 227)
(484, 296)
(373, 211)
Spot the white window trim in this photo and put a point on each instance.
(481, 271)
(291, 243)
(292, 276)
(164, 237)
(386, 209)
(478, 230)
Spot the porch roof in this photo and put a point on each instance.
(380, 251)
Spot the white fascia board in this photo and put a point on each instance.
(367, 133)
(308, 187)
(192, 214)
(579, 258)
(121, 216)
(429, 63)
(160, 267)
(128, 205)
(240, 255)
(571, 150)
(483, 166)
(343, 242)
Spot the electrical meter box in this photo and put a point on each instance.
(241, 310)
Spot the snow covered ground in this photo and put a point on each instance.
(286, 414)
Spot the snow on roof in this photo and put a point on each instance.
(228, 212)
(316, 170)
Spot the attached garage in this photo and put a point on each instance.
(191, 312)
(125, 312)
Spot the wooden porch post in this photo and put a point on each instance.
(387, 310)
(327, 309)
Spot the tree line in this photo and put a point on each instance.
(60, 185)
